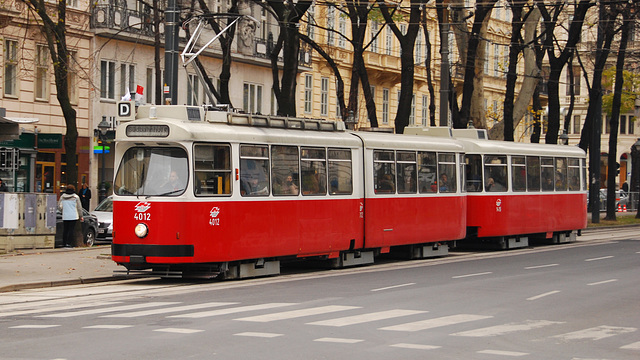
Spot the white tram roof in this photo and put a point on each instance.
(375, 140)
(496, 147)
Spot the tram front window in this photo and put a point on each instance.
(146, 171)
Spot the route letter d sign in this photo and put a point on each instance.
(126, 111)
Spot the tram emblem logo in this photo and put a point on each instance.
(214, 221)
(499, 205)
(142, 206)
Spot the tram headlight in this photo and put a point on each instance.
(141, 230)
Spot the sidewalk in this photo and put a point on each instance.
(27, 269)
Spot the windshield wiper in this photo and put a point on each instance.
(167, 193)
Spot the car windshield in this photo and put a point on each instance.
(105, 205)
(152, 171)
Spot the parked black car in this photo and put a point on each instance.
(89, 228)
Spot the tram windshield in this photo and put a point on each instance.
(147, 171)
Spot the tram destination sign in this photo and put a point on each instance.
(148, 130)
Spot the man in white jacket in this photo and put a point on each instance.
(71, 208)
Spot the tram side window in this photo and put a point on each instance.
(254, 170)
(495, 173)
(583, 167)
(519, 173)
(447, 173)
(561, 174)
(406, 164)
(212, 169)
(340, 175)
(574, 174)
(384, 174)
(473, 169)
(428, 172)
(284, 170)
(533, 173)
(314, 171)
(546, 164)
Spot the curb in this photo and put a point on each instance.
(55, 283)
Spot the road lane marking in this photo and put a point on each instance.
(470, 275)
(540, 266)
(33, 326)
(415, 346)
(543, 295)
(57, 308)
(500, 330)
(339, 340)
(603, 282)
(179, 331)
(632, 346)
(363, 318)
(234, 310)
(393, 287)
(285, 315)
(437, 322)
(167, 310)
(115, 327)
(502, 353)
(600, 258)
(111, 309)
(259, 334)
(596, 333)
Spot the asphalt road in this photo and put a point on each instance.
(576, 301)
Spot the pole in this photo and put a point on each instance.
(444, 70)
(171, 51)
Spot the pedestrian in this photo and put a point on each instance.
(71, 209)
(85, 196)
(3, 186)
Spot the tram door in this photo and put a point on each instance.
(45, 177)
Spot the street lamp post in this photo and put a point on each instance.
(104, 126)
(635, 174)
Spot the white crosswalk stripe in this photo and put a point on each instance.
(499, 330)
(596, 333)
(364, 318)
(168, 310)
(416, 346)
(108, 309)
(285, 315)
(632, 346)
(437, 322)
(45, 309)
(502, 353)
(235, 310)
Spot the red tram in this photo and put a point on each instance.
(205, 193)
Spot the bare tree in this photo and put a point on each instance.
(52, 23)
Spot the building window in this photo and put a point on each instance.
(330, 21)
(374, 38)
(385, 106)
(193, 90)
(425, 110)
(10, 68)
(42, 73)
(418, 49)
(389, 41)
(252, 98)
(72, 3)
(486, 57)
(308, 93)
(342, 29)
(324, 96)
(127, 78)
(412, 115)
(107, 79)
(576, 81)
(576, 124)
(311, 22)
(623, 125)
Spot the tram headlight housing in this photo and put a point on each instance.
(141, 230)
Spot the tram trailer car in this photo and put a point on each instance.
(518, 191)
(196, 194)
(209, 193)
